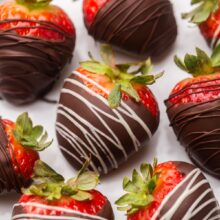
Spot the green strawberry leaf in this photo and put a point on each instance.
(115, 96)
(215, 57)
(28, 136)
(45, 173)
(203, 10)
(139, 189)
(119, 74)
(51, 185)
(97, 68)
(129, 89)
(199, 64)
(107, 55)
(82, 196)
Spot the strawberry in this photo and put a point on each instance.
(37, 40)
(164, 191)
(23, 17)
(21, 144)
(91, 8)
(206, 16)
(118, 82)
(193, 109)
(51, 195)
(118, 107)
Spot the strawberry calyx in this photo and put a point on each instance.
(124, 80)
(30, 136)
(48, 184)
(203, 10)
(200, 64)
(34, 4)
(139, 189)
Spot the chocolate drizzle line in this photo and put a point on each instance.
(142, 27)
(9, 180)
(197, 127)
(30, 66)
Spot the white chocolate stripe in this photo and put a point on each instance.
(120, 119)
(72, 139)
(53, 208)
(87, 134)
(77, 120)
(123, 104)
(191, 187)
(215, 39)
(207, 217)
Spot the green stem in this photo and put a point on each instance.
(34, 4)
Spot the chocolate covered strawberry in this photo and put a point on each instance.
(51, 196)
(207, 16)
(144, 27)
(20, 143)
(171, 190)
(193, 109)
(37, 40)
(106, 111)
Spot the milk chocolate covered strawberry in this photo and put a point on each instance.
(37, 40)
(20, 143)
(51, 197)
(107, 111)
(193, 109)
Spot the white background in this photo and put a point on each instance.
(163, 145)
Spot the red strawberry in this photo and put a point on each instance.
(26, 15)
(118, 108)
(37, 40)
(50, 195)
(193, 109)
(20, 144)
(111, 76)
(91, 8)
(206, 16)
(164, 192)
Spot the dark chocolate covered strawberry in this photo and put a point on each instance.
(141, 27)
(193, 108)
(106, 111)
(37, 40)
(207, 16)
(168, 191)
(51, 196)
(20, 143)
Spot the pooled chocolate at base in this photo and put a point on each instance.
(29, 66)
(141, 27)
(9, 179)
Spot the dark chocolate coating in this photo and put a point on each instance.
(9, 179)
(86, 125)
(106, 213)
(141, 27)
(191, 199)
(197, 127)
(29, 66)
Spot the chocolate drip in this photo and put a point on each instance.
(30, 66)
(197, 127)
(9, 180)
(142, 27)
(19, 211)
(191, 199)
